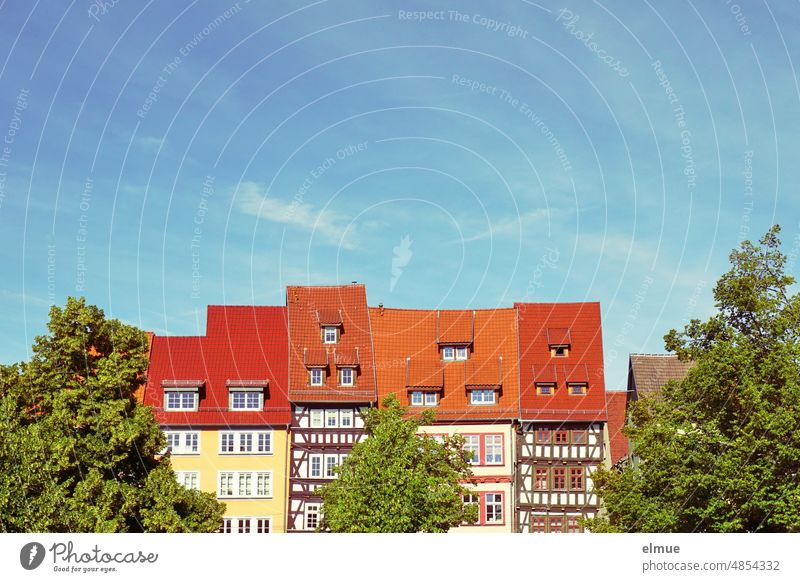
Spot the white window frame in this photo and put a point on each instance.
(483, 396)
(448, 353)
(417, 395)
(346, 414)
(238, 437)
(328, 339)
(462, 353)
(194, 392)
(233, 525)
(184, 446)
(473, 498)
(496, 441)
(248, 479)
(316, 418)
(312, 381)
(583, 386)
(189, 479)
(311, 471)
(310, 509)
(332, 414)
(474, 447)
(352, 373)
(331, 461)
(431, 399)
(233, 391)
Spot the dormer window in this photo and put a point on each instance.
(559, 351)
(245, 398)
(483, 396)
(423, 398)
(577, 388)
(545, 388)
(181, 395)
(454, 353)
(330, 334)
(316, 376)
(346, 376)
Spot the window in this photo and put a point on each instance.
(572, 525)
(180, 399)
(493, 449)
(235, 442)
(346, 376)
(316, 418)
(330, 463)
(189, 479)
(330, 334)
(246, 399)
(461, 353)
(561, 437)
(472, 444)
(416, 398)
(577, 388)
(540, 478)
(543, 435)
(346, 418)
(315, 467)
(494, 508)
(431, 399)
(545, 388)
(332, 418)
(559, 351)
(448, 353)
(246, 525)
(240, 484)
(576, 478)
(578, 437)
(538, 524)
(556, 525)
(482, 397)
(183, 443)
(317, 378)
(559, 479)
(473, 499)
(312, 516)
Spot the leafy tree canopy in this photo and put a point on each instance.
(399, 481)
(720, 450)
(77, 452)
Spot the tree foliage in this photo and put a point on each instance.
(720, 450)
(77, 452)
(399, 481)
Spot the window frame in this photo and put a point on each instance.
(314, 509)
(233, 524)
(311, 376)
(561, 433)
(477, 451)
(194, 392)
(250, 477)
(497, 504)
(583, 435)
(581, 471)
(234, 391)
(483, 401)
(462, 353)
(235, 437)
(183, 436)
(181, 477)
(537, 472)
(315, 457)
(352, 372)
(562, 474)
(564, 348)
(332, 413)
(427, 395)
(545, 388)
(349, 414)
(582, 387)
(486, 445)
(312, 422)
(543, 431)
(329, 328)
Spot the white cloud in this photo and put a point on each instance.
(514, 227)
(333, 227)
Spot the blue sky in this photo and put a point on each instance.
(159, 157)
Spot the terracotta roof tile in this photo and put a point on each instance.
(617, 402)
(456, 327)
(329, 316)
(647, 373)
(304, 304)
(399, 334)
(242, 343)
(558, 336)
(536, 323)
(347, 357)
(488, 372)
(314, 357)
(422, 371)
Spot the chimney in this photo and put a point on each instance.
(380, 309)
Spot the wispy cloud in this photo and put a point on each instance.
(513, 227)
(333, 227)
(149, 143)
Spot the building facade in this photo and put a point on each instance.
(562, 415)
(221, 400)
(331, 378)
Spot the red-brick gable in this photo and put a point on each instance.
(243, 344)
(344, 306)
(542, 325)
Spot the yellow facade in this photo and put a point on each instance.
(208, 462)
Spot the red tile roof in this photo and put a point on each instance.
(536, 322)
(617, 403)
(400, 334)
(307, 307)
(456, 327)
(329, 316)
(242, 343)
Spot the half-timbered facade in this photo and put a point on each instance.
(562, 412)
(221, 400)
(463, 365)
(331, 379)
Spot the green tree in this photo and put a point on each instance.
(399, 481)
(77, 451)
(720, 450)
